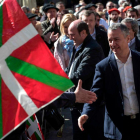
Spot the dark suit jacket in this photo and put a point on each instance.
(84, 63)
(137, 41)
(102, 39)
(47, 27)
(107, 86)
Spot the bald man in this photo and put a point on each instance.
(86, 54)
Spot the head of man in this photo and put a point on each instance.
(91, 7)
(109, 5)
(122, 14)
(132, 25)
(50, 11)
(114, 14)
(32, 18)
(60, 5)
(97, 17)
(118, 38)
(88, 16)
(77, 7)
(138, 9)
(24, 9)
(100, 7)
(78, 31)
(132, 13)
(120, 2)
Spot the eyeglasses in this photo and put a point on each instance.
(111, 6)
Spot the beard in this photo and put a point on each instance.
(115, 19)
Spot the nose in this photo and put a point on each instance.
(70, 37)
(112, 43)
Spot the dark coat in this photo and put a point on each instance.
(47, 27)
(84, 63)
(107, 86)
(102, 39)
(137, 41)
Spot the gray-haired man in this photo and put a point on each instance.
(117, 81)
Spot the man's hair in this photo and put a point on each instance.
(120, 26)
(108, 2)
(88, 13)
(58, 3)
(101, 14)
(120, 2)
(132, 10)
(125, 4)
(82, 26)
(99, 4)
(97, 15)
(134, 24)
(137, 7)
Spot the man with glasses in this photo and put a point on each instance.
(109, 5)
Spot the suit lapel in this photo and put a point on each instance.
(114, 68)
(135, 62)
(71, 58)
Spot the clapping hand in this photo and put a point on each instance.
(53, 37)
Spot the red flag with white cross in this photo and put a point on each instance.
(30, 77)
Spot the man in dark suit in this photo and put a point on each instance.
(117, 82)
(98, 34)
(86, 54)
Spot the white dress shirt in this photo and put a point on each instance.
(128, 87)
(94, 34)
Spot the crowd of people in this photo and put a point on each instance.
(98, 44)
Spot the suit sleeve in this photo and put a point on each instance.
(98, 88)
(67, 99)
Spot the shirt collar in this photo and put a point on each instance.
(78, 48)
(131, 42)
(127, 58)
(94, 34)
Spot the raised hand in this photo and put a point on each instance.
(84, 96)
(52, 22)
(54, 37)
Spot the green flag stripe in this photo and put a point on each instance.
(1, 22)
(27, 122)
(38, 74)
(37, 137)
(1, 128)
(32, 118)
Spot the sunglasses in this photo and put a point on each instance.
(111, 6)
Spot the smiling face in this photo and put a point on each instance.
(75, 36)
(118, 42)
(65, 26)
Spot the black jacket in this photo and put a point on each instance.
(137, 41)
(47, 27)
(84, 62)
(107, 85)
(102, 39)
